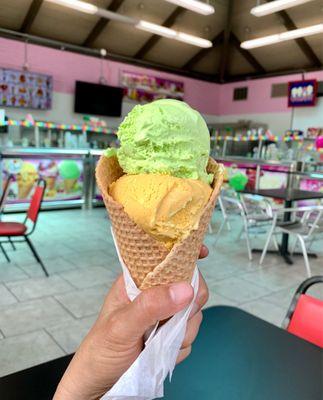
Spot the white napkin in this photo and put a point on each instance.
(145, 378)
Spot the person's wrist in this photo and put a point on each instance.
(76, 384)
(69, 390)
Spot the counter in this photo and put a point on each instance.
(272, 174)
(70, 175)
(66, 172)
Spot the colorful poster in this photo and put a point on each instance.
(25, 89)
(302, 93)
(146, 88)
(312, 185)
(64, 178)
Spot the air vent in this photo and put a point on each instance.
(320, 89)
(279, 90)
(240, 93)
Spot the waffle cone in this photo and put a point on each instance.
(149, 262)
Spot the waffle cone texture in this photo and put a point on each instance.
(149, 262)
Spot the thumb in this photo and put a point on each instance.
(153, 305)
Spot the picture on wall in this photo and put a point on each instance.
(25, 89)
(146, 88)
(302, 93)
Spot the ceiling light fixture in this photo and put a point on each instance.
(194, 5)
(194, 40)
(282, 37)
(274, 6)
(156, 29)
(77, 5)
(140, 24)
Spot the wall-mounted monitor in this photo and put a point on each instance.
(91, 98)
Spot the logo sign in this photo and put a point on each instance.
(302, 93)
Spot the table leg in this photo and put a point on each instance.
(284, 244)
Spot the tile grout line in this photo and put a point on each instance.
(54, 340)
(65, 308)
(22, 333)
(67, 281)
(9, 290)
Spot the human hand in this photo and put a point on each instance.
(117, 337)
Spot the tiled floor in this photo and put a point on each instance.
(44, 318)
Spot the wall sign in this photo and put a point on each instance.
(142, 87)
(302, 93)
(25, 89)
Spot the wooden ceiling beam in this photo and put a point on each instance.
(217, 40)
(153, 40)
(101, 24)
(246, 54)
(31, 15)
(224, 60)
(301, 42)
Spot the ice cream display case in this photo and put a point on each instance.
(242, 172)
(65, 173)
(95, 197)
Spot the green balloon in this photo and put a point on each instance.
(238, 181)
(69, 169)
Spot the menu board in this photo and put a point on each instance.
(143, 87)
(25, 89)
(64, 178)
(302, 93)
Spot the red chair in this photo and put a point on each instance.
(5, 193)
(14, 230)
(305, 315)
(3, 201)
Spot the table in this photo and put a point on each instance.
(236, 356)
(289, 196)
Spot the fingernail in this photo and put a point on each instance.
(180, 292)
(194, 310)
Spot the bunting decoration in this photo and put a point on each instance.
(52, 125)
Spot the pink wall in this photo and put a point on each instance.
(259, 95)
(208, 98)
(67, 67)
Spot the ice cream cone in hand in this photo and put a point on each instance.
(160, 195)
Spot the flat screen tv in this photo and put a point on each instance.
(92, 98)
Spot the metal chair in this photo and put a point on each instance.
(14, 230)
(304, 317)
(5, 193)
(306, 229)
(258, 216)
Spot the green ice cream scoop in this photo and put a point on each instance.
(69, 169)
(166, 137)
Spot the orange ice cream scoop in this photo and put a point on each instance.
(166, 207)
